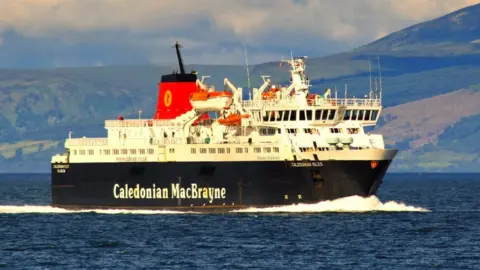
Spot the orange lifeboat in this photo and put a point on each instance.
(270, 94)
(204, 101)
(233, 119)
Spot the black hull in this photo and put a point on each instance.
(210, 185)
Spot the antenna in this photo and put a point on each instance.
(248, 73)
(370, 71)
(180, 62)
(380, 74)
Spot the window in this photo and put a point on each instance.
(347, 115)
(74, 152)
(360, 115)
(211, 150)
(193, 151)
(267, 131)
(257, 150)
(142, 151)
(246, 150)
(82, 152)
(290, 130)
(335, 130)
(302, 116)
(331, 115)
(276, 149)
(150, 151)
(133, 151)
(221, 150)
(267, 149)
(124, 151)
(228, 150)
(367, 115)
(324, 114)
(293, 115)
(354, 114)
(203, 150)
(307, 130)
(239, 150)
(285, 115)
(116, 151)
(318, 114)
(106, 151)
(374, 115)
(90, 152)
(171, 150)
(309, 115)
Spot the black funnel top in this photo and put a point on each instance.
(182, 76)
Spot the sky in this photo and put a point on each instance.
(58, 33)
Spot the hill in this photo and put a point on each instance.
(423, 68)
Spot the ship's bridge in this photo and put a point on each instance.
(317, 112)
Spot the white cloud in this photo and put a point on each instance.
(201, 24)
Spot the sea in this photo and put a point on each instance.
(416, 221)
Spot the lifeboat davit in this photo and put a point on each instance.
(233, 119)
(204, 101)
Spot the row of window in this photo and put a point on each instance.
(238, 150)
(360, 115)
(301, 115)
(91, 152)
(311, 115)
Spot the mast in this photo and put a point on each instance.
(180, 62)
(380, 75)
(370, 70)
(248, 73)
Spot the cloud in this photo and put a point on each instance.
(207, 24)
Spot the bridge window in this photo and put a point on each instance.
(324, 114)
(360, 115)
(293, 115)
(302, 116)
(354, 115)
(285, 115)
(374, 115)
(318, 114)
(331, 114)
(347, 115)
(309, 115)
(367, 115)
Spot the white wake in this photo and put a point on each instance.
(38, 209)
(348, 204)
(342, 205)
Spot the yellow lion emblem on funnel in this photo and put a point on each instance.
(167, 98)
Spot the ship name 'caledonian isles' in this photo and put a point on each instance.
(175, 192)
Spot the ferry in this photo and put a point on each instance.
(208, 150)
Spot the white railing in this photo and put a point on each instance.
(140, 123)
(86, 142)
(361, 102)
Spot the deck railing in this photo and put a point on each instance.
(361, 102)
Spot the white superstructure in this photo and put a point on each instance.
(277, 123)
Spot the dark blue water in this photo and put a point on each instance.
(445, 237)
